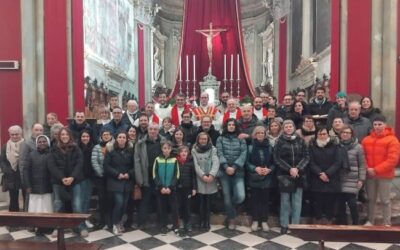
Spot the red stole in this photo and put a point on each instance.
(156, 119)
(227, 115)
(264, 112)
(175, 114)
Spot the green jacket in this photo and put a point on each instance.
(165, 172)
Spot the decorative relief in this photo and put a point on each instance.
(176, 37)
(249, 35)
(306, 72)
(145, 11)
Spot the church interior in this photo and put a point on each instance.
(65, 56)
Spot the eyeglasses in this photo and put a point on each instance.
(346, 132)
(322, 134)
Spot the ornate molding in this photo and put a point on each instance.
(249, 35)
(268, 34)
(306, 72)
(176, 37)
(145, 11)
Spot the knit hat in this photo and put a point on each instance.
(341, 94)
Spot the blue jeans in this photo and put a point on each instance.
(120, 202)
(76, 202)
(233, 190)
(292, 208)
(87, 188)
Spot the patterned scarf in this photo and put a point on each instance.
(12, 152)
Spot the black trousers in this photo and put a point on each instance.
(324, 204)
(163, 201)
(204, 208)
(14, 204)
(105, 203)
(259, 202)
(148, 193)
(351, 200)
(184, 199)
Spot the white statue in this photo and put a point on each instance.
(158, 68)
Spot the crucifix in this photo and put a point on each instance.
(210, 34)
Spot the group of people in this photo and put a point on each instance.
(173, 153)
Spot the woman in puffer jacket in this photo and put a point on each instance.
(291, 157)
(352, 177)
(232, 153)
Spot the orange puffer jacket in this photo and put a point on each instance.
(382, 152)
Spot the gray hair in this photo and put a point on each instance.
(154, 125)
(15, 129)
(55, 129)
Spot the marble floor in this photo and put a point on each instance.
(217, 238)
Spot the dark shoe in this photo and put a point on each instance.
(284, 230)
(164, 231)
(188, 227)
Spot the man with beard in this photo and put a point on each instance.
(258, 110)
(247, 123)
(78, 125)
(223, 102)
(362, 126)
(162, 108)
(149, 110)
(232, 111)
(143, 125)
(116, 125)
(319, 107)
(286, 107)
(178, 108)
(207, 127)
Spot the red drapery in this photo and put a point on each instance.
(224, 14)
(141, 66)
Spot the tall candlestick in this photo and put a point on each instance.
(231, 66)
(194, 67)
(224, 66)
(180, 68)
(187, 68)
(238, 67)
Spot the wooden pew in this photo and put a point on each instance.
(322, 233)
(59, 221)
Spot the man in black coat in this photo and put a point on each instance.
(78, 125)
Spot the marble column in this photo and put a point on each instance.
(70, 76)
(32, 45)
(343, 45)
(389, 62)
(376, 51)
(307, 29)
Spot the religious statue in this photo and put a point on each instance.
(210, 34)
(158, 68)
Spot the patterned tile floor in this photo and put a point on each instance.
(217, 238)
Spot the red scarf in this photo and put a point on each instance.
(227, 115)
(264, 112)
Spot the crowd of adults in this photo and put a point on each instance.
(174, 153)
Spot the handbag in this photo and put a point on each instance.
(136, 193)
(287, 184)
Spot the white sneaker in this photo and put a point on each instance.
(265, 226)
(116, 230)
(368, 223)
(89, 224)
(254, 226)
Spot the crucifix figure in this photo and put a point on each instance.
(210, 34)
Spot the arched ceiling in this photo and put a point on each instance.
(173, 9)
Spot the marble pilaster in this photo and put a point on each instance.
(389, 62)
(376, 51)
(343, 44)
(32, 45)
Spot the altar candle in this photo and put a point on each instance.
(187, 68)
(194, 67)
(180, 68)
(231, 66)
(238, 67)
(224, 66)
